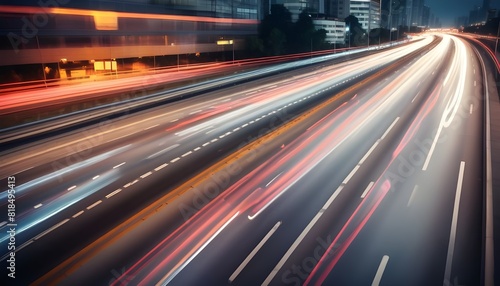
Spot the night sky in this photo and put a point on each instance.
(448, 10)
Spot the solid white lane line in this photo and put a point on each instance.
(380, 270)
(171, 275)
(37, 206)
(389, 129)
(454, 222)
(161, 167)
(368, 153)
(254, 251)
(94, 204)
(113, 193)
(121, 164)
(370, 185)
(346, 180)
(77, 214)
(297, 241)
(412, 195)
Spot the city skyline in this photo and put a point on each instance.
(449, 10)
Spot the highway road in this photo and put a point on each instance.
(370, 170)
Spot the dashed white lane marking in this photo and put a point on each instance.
(71, 188)
(471, 108)
(77, 214)
(299, 239)
(95, 177)
(146, 174)
(346, 180)
(119, 165)
(161, 167)
(175, 160)
(368, 153)
(370, 185)
(205, 144)
(196, 149)
(389, 129)
(37, 206)
(113, 193)
(94, 204)
(187, 154)
(254, 251)
(454, 222)
(174, 120)
(474, 83)
(130, 184)
(380, 271)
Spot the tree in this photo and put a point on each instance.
(275, 29)
(358, 36)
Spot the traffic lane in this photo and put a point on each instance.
(308, 185)
(307, 197)
(104, 126)
(472, 251)
(73, 186)
(412, 227)
(142, 239)
(92, 142)
(48, 251)
(194, 149)
(368, 182)
(143, 141)
(198, 160)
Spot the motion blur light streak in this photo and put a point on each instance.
(287, 178)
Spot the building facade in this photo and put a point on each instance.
(335, 30)
(367, 12)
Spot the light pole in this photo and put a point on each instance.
(498, 34)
